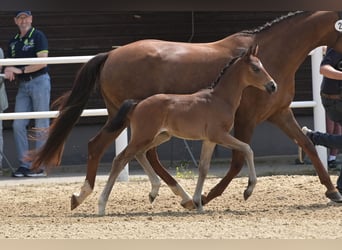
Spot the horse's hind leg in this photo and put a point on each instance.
(118, 165)
(155, 182)
(96, 147)
(175, 187)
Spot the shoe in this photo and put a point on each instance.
(308, 132)
(25, 172)
(38, 173)
(332, 164)
(20, 172)
(339, 189)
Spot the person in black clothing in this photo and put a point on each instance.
(331, 95)
(33, 86)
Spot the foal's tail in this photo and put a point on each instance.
(71, 106)
(121, 117)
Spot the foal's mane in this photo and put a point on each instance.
(224, 69)
(270, 24)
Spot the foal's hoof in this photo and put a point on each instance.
(152, 198)
(334, 196)
(74, 202)
(189, 205)
(246, 194)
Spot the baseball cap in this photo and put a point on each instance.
(23, 12)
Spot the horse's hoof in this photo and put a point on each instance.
(334, 196)
(246, 194)
(200, 210)
(152, 198)
(74, 202)
(189, 205)
(101, 212)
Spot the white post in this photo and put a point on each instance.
(120, 144)
(319, 112)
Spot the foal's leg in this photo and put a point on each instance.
(243, 130)
(177, 190)
(96, 148)
(155, 182)
(118, 165)
(175, 187)
(204, 164)
(232, 142)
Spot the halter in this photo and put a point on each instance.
(340, 15)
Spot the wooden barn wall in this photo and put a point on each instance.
(89, 33)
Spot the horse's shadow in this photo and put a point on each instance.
(179, 214)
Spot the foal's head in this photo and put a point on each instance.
(254, 73)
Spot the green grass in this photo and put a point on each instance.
(183, 171)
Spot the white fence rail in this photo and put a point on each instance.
(319, 114)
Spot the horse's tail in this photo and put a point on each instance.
(122, 116)
(71, 106)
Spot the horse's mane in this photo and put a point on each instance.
(269, 24)
(224, 69)
(250, 32)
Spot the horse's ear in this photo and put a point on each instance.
(249, 52)
(255, 50)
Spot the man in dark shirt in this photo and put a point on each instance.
(33, 86)
(331, 95)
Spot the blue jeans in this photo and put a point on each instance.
(32, 96)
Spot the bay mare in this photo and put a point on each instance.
(144, 68)
(206, 115)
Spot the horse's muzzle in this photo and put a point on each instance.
(271, 87)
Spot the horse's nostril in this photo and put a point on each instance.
(275, 87)
(271, 87)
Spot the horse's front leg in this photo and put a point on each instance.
(232, 142)
(203, 168)
(96, 148)
(286, 122)
(243, 130)
(252, 178)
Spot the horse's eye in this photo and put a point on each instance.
(255, 68)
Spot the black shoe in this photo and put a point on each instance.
(20, 172)
(38, 173)
(339, 189)
(332, 164)
(309, 133)
(25, 172)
